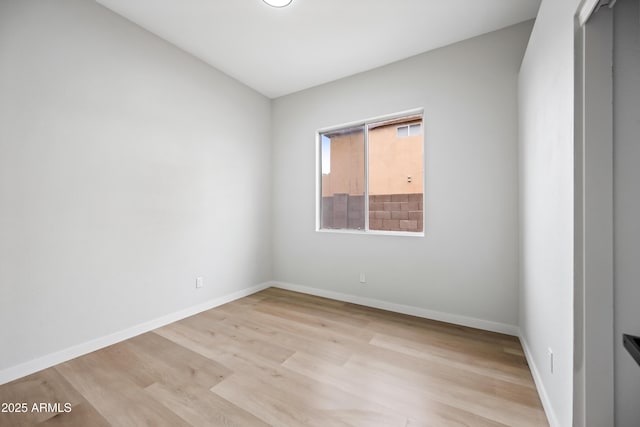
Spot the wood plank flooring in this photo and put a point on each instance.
(281, 358)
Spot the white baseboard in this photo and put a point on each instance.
(35, 365)
(456, 319)
(542, 391)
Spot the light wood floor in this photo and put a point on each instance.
(286, 359)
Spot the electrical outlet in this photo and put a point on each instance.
(199, 282)
(362, 278)
(550, 352)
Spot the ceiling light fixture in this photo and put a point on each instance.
(278, 3)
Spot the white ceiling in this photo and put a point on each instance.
(280, 51)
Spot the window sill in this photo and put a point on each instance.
(372, 232)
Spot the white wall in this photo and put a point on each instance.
(466, 264)
(546, 204)
(127, 168)
(626, 79)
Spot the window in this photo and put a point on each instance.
(409, 130)
(371, 176)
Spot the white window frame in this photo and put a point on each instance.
(365, 123)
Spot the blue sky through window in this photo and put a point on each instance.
(326, 155)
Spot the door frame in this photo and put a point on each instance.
(593, 391)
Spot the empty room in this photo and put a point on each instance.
(319, 212)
